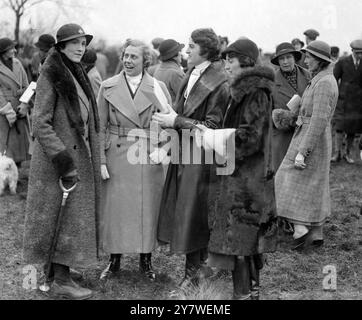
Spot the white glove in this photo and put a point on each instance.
(299, 162)
(159, 155)
(104, 172)
(165, 120)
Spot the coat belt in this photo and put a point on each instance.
(132, 132)
(302, 120)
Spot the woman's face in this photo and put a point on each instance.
(232, 67)
(75, 48)
(193, 51)
(9, 54)
(287, 62)
(311, 62)
(133, 61)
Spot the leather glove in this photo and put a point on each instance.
(22, 110)
(104, 172)
(299, 162)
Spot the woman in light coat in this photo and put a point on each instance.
(132, 189)
(302, 181)
(66, 147)
(14, 128)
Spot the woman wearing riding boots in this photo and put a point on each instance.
(302, 181)
(66, 147)
(14, 128)
(131, 194)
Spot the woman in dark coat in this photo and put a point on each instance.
(202, 99)
(66, 147)
(290, 79)
(242, 217)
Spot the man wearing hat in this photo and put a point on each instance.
(311, 35)
(170, 72)
(348, 116)
(89, 63)
(290, 79)
(44, 44)
(14, 129)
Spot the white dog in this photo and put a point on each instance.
(8, 174)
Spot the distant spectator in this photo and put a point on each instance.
(44, 44)
(311, 35)
(335, 53)
(102, 64)
(297, 44)
(156, 42)
(169, 71)
(89, 63)
(224, 42)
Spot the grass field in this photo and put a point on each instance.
(287, 276)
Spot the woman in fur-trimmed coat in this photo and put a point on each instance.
(242, 213)
(66, 147)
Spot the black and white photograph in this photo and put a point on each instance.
(196, 150)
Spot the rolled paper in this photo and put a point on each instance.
(28, 93)
(294, 103)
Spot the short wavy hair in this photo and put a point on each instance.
(146, 51)
(209, 43)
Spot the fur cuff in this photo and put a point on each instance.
(6, 109)
(284, 119)
(63, 163)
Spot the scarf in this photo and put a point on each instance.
(79, 73)
(291, 78)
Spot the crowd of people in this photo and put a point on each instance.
(79, 130)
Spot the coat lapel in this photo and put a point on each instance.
(8, 73)
(117, 93)
(283, 86)
(302, 80)
(141, 102)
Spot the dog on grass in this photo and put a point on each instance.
(9, 174)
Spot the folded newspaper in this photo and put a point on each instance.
(28, 93)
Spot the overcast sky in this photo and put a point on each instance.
(267, 22)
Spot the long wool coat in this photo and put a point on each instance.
(242, 215)
(183, 217)
(12, 85)
(303, 195)
(58, 147)
(348, 114)
(131, 197)
(282, 93)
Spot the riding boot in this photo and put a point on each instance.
(192, 267)
(113, 266)
(256, 264)
(338, 147)
(241, 278)
(146, 266)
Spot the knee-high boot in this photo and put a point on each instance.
(241, 278)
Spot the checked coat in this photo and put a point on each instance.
(303, 195)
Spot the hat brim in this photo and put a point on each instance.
(87, 36)
(317, 54)
(8, 48)
(172, 53)
(297, 55)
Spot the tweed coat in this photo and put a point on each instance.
(131, 197)
(242, 215)
(348, 114)
(170, 73)
(12, 85)
(60, 147)
(303, 195)
(282, 93)
(183, 216)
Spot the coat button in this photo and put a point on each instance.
(118, 145)
(75, 147)
(113, 110)
(86, 139)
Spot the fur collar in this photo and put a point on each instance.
(59, 75)
(251, 79)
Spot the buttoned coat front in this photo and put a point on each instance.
(303, 195)
(12, 85)
(282, 94)
(131, 197)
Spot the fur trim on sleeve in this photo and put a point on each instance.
(63, 163)
(284, 119)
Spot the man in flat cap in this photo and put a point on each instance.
(310, 35)
(347, 118)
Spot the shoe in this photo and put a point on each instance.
(348, 159)
(70, 290)
(301, 243)
(113, 267)
(146, 266)
(337, 157)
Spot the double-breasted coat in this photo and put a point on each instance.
(242, 216)
(282, 94)
(66, 138)
(348, 114)
(12, 85)
(184, 212)
(131, 197)
(303, 195)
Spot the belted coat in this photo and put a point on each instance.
(303, 195)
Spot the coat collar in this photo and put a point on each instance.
(117, 93)
(322, 74)
(284, 86)
(210, 79)
(13, 74)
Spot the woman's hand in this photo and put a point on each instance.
(299, 162)
(104, 172)
(158, 156)
(22, 109)
(166, 120)
(11, 117)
